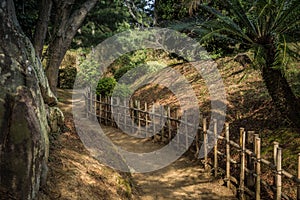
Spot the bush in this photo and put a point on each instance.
(122, 91)
(88, 73)
(67, 77)
(135, 73)
(120, 72)
(106, 86)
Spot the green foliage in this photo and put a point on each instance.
(106, 86)
(109, 18)
(88, 72)
(122, 91)
(27, 14)
(170, 10)
(120, 72)
(67, 77)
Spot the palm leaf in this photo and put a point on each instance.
(239, 11)
(290, 12)
(230, 25)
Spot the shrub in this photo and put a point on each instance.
(67, 77)
(106, 86)
(120, 72)
(122, 91)
(88, 73)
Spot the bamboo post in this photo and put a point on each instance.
(95, 107)
(146, 119)
(132, 115)
(100, 109)
(242, 159)
(279, 174)
(110, 99)
(118, 111)
(186, 131)
(250, 179)
(255, 146)
(197, 141)
(227, 155)
(258, 167)
(205, 143)
(176, 126)
(276, 146)
(162, 113)
(91, 104)
(153, 119)
(298, 187)
(125, 115)
(106, 110)
(216, 148)
(169, 123)
(139, 116)
(87, 103)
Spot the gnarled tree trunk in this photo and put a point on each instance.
(42, 25)
(64, 34)
(24, 93)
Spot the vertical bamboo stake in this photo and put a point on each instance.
(169, 124)
(176, 126)
(95, 106)
(216, 148)
(106, 110)
(125, 115)
(146, 119)
(279, 174)
(276, 146)
(250, 179)
(258, 168)
(227, 154)
(100, 109)
(197, 141)
(87, 103)
(242, 157)
(118, 111)
(132, 115)
(139, 116)
(110, 111)
(162, 113)
(205, 143)
(298, 187)
(186, 131)
(91, 104)
(255, 146)
(153, 120)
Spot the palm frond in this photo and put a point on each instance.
(228, 23)
(240, 12)
(289, 15)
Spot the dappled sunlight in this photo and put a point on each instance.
(183, 179)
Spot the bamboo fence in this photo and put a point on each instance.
(135, 116)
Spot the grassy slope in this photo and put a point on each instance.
(249, 106)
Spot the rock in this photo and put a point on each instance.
(24, 98)
(55, 119)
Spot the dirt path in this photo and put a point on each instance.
(183, 179)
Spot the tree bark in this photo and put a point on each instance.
(42, 26)
(24, 128)
(64, 35)
(280, 90)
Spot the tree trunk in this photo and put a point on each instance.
(42, 26)
(64, 35)
(24, 129)
(279, 89)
